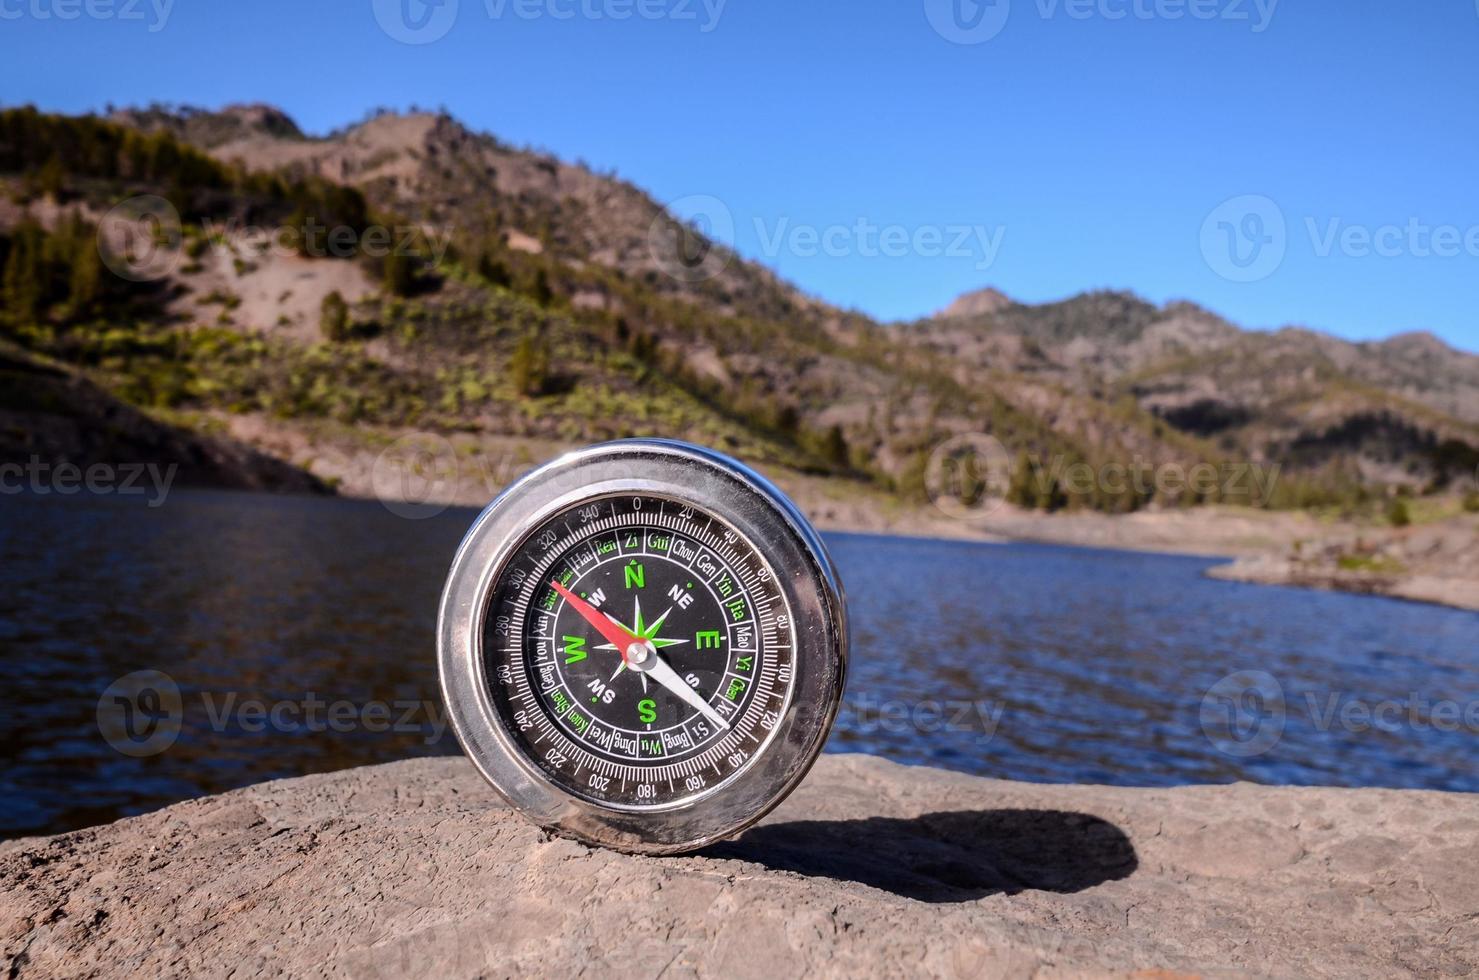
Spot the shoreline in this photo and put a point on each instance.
(870, 866)
(1285, 548)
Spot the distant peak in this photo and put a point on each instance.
(211, 127)
(1417, 341)
(979, 302)
(262, 117)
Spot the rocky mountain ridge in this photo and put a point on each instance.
(635, 322)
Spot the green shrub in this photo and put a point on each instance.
(333, 318)
(529, 367)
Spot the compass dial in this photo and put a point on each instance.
(639, 650)
(642, 645)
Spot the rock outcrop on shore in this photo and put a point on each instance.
(871, 868)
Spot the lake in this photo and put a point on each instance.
(299, 635)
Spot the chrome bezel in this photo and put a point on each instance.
(754, 507)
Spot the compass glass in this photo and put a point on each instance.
(638, 650)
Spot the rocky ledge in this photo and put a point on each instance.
(1442, 589)
(871, 868)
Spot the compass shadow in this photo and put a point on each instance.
(952, 856)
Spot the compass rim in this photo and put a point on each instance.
(742, 499)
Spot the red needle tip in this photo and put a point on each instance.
(604, 625)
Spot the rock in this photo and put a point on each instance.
(1448, 588)
(871, 868)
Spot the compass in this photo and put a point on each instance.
(643, 645)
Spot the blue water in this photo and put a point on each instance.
(1016, 661)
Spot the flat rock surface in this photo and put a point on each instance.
(871, 868)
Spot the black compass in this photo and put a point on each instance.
(643, 645)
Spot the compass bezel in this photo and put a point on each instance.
(713, 483)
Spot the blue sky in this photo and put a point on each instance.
(877, 162)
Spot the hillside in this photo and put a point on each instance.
(1401, 412)
(514, 296)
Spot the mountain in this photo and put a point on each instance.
(1395, 410)
(494, 292)
(978, 302)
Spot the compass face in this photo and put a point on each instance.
(642, 645)
(638, 650)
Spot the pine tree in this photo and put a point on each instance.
(86, 284)
(834, 449)
(1022, 487)
(530, 367)
(52, 179)
(22, 283)
(494, 270)
(400, 274)
(333, 318)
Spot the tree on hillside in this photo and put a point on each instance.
(23, 280)
(494, 269)
(52, 178)
(333, 318)
(834, 449)
(529, 367)
(399, 277)
(537, 287)
(85, 287)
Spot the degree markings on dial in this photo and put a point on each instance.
(761, 601)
